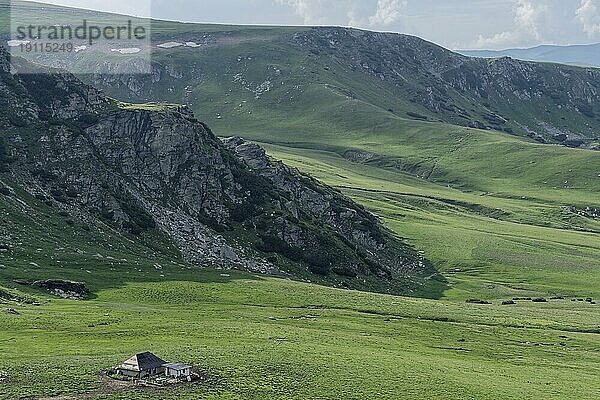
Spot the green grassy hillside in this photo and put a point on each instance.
(262, 338)
(240, 75)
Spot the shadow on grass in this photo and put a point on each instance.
(27, 282)
(23, 279)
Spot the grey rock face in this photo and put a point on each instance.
(307, 196)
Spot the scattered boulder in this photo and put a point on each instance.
(477, 301)
(4, 377)
(65, 289)
(12, 311)
(587, 212)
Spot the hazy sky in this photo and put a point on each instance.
(493, 24)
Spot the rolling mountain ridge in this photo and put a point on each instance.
(236, 76)
(261, 73)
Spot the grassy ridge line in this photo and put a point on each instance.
(30, 10)
(308, 91)
(326, 91)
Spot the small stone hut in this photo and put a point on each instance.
(174, 370)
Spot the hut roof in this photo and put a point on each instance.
(142, 362)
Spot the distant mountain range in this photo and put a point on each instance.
(583, 55)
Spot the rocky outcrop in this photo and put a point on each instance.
(155, 168)
(305, 196)
(64, 289)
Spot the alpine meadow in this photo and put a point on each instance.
(295, 212)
